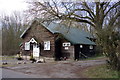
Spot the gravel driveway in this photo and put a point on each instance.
(59, 69)
(6, 73)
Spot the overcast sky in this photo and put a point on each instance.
(8, 6)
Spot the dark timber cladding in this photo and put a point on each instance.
(58, 41)
(84, 51)
(41, 34)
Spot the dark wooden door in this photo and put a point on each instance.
(58, 52)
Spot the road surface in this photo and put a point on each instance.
(12, 74)
(60, 69)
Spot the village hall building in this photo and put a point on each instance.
(57, 41)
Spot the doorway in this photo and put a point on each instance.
(34, 48)
(58, 52)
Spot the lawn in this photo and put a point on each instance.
(100, 71)
(95, 57)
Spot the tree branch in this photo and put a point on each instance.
(89, 9)
(107, 3)
(83, 10)
(112, 21)
(56, 6)
(77, 19)
(114, 6)
(85, 17)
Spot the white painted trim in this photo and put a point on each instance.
(32, 41)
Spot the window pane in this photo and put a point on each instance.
(27, 46)
(47, 45)
(91, 47)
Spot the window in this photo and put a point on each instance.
(81, 46)
(27, 46)
(91, 47)
(47, 45)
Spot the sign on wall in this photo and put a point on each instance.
(66, 44)
(66, 48)
(27, 46)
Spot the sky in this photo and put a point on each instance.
(8, 6)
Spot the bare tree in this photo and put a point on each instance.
(95, 12)
(12, 27)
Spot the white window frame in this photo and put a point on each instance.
(27, 46)
(46, 45)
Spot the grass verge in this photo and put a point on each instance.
(7, 57)
(100, 71)
(96, 57)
